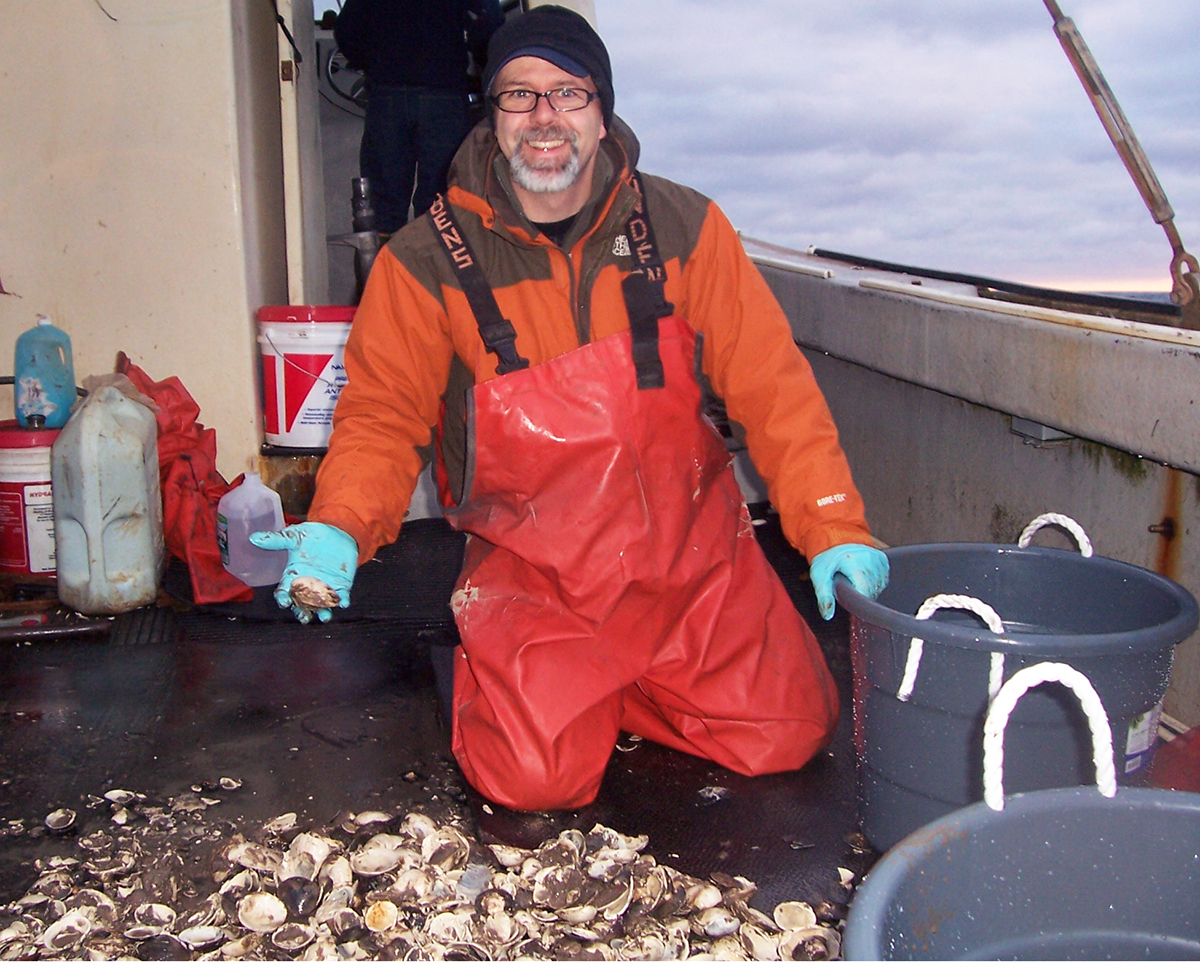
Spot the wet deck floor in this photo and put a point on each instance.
(323, 719)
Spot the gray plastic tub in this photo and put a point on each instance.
(1083, 874)
(1058, 874)
(920, 759)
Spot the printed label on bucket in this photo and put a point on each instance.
(1143, 736)
(303, 375)
(39, 526)
(26, 527)
(313, 383)
(12, 529)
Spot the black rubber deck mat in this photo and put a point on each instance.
(320, 719)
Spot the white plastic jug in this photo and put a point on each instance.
(108, 515)
(251, 507)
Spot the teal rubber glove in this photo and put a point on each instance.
(316, 551)
(864, 566)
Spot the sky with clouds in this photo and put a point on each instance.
(949, 134)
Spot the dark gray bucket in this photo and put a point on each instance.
(1085, 874)
(920, 759)
(1058, 874)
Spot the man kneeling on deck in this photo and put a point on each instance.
(563, 306)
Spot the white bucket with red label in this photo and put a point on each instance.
(303, 374)
(26, 500)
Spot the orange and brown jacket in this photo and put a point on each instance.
(414, 320)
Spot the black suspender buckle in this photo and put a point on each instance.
(500, 338)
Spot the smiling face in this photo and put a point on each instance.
(552, 154)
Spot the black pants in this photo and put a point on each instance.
(410, 134)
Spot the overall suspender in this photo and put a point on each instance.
(645, 300)
(499, 335)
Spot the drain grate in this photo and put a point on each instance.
(148, 625)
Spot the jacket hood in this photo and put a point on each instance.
(480, 169)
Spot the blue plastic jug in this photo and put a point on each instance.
(43, 377)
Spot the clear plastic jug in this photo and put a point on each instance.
(250, 507)
(43, 377)
(108, 515)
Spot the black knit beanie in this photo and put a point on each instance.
(560, 36)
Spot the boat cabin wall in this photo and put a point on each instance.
(944, 467)
(144, 201)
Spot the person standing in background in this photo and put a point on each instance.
(415, 56)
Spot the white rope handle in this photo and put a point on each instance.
(917, 644)
(1058, 519)
(1002, 706)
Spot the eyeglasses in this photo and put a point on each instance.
(520, 101)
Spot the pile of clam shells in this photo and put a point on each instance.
(162, 883)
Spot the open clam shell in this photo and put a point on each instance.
(337, 899)
(347, 925)
(56, 884)
(646, 943)
(381, 916)
(155, 915)
(612, 899)
(238, 948)
(451, 926)
(254, 856)
(293, 936)
(415, 885)
(96, 905)
(794, 915)
(60, 820)
(605, 836)
(558, 887)
(500, 930)
(261, 912)
(337, 871)
(69, 931)
(304, 856)
(563, 851)
(445, 848)
(370, 817)
(759, 943)
(142, 932)
(510, 857)
(382, 853)
(817, 943)
(278, 825)
(417, 826)
(203, 937)
(703, 895)
(300, 896)
(161, 947)
(716, 922)
(727, 949)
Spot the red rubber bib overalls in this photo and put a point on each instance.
(612, 580)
